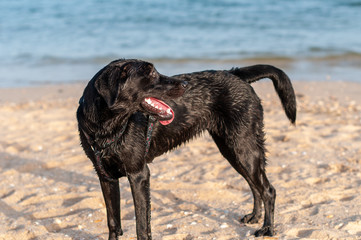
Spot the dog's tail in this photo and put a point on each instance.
(281, 82)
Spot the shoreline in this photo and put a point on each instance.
(312, 69)
(50, 190)
(345, 90)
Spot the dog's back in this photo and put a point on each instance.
(220, 101)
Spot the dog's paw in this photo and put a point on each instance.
(265, 231)
(251, 218)
(115, 235)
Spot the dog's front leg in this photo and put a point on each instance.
(112, 202)
(139, 183)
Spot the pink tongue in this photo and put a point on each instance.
(163, 105)
(166, 122)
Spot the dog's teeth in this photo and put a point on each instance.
(168, 111)
(148, 100)
(156, 107)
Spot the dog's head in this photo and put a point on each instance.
(135, 85)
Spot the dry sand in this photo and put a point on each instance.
(48, 188)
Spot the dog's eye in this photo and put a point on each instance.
(153, 74)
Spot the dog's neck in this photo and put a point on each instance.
(102, 121)
(112, 126)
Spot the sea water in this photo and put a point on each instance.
(68, 41)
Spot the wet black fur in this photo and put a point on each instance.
(221, 102)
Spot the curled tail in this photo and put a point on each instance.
(281, 83)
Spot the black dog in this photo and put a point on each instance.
(124, 124)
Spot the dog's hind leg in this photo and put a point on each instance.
(256, 214)
(139, 184)
(112, 202)
(250, 164)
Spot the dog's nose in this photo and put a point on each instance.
(184, 84)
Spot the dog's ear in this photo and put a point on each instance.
(110, 82)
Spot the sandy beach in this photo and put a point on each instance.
(49, 190)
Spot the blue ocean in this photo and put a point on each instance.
(46, 42)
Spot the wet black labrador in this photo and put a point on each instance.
(129, 114)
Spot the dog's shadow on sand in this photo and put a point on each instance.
(169, 203)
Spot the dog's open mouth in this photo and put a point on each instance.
(159, 109)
